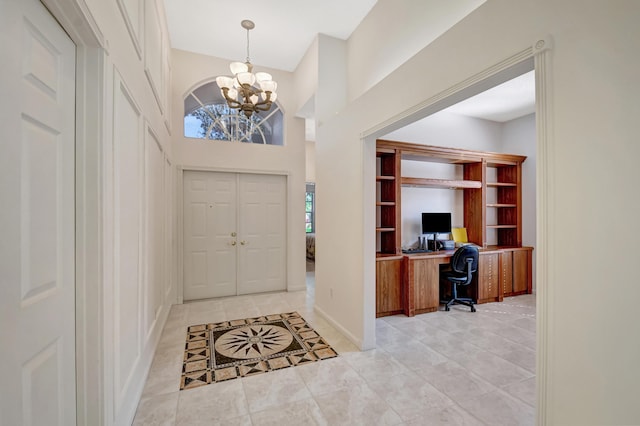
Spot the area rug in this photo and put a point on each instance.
(245, 347)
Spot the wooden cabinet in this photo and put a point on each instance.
(506, 272)
(421, 278)
(487, 280)
(516, 271)
(389, 279)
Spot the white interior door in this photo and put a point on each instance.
(234, 234)
(210, 230)
(37, 251)
(262, 233)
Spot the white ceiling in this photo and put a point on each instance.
(510, 100)
(284, 28)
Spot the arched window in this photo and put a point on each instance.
(207, 116)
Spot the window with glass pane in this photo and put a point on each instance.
(309, 208)
(207, 116)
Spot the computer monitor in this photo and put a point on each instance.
(436, 223)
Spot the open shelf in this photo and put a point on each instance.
(386, 203)
(498, 205)
(440, 183)
(502, 226)
(385, 229)
(503, 184)
(379, 178)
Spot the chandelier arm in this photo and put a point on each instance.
(262, 106)
(230, 101)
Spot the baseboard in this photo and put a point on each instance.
(297, 288)
(128, 411)
(338, 327)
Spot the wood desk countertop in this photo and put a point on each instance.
(420, 285)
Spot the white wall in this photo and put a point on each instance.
(331, 92)
(137, 183)
(189, 71)
(393, 32)
(305, 81)
(587, 350)
(310, 161)
(448, 130)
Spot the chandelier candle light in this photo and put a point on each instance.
(244, 90)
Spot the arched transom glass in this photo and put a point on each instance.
(207, 116)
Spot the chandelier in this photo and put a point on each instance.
(246, 91)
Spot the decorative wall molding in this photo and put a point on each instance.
(127, 230)
(545, 227)
(167, 89)
(153, 50)
(133, 14)
(77, 20)
(154, 215)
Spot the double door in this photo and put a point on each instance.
(234, 234)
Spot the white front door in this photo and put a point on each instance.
(210, 234)
(262, 233)
(37, 222)
(234, 234)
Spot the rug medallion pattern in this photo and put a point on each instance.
(245, 347)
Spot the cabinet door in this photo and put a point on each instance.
(426, 279)
(488, 278)
(388, 287)
(521, 271)
(506, 272)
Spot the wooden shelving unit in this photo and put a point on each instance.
(509, 204)
(388, 201)
(505, 268)
(440, 183)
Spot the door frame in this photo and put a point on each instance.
(540, 54)
(78, 22)
(180, 219)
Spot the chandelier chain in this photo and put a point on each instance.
(248, 60)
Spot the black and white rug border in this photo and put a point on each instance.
(200, 366)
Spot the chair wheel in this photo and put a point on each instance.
(473, 309)
(446, 308)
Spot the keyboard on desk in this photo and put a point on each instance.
(410, 251)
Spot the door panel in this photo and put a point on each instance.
(209, 221)
(37, 299)
(235, 234)
(262, 233)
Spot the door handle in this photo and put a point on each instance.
(233, 234)
(233, 243)
(242, 243)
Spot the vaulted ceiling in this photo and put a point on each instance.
(286, 28)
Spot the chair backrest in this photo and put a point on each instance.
(459, 259)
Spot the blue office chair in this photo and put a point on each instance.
(463, 264)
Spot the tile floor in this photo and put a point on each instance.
(453, 368)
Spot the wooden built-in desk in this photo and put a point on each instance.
(491, 182)
(410, 283)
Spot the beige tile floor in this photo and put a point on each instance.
(453, 368)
